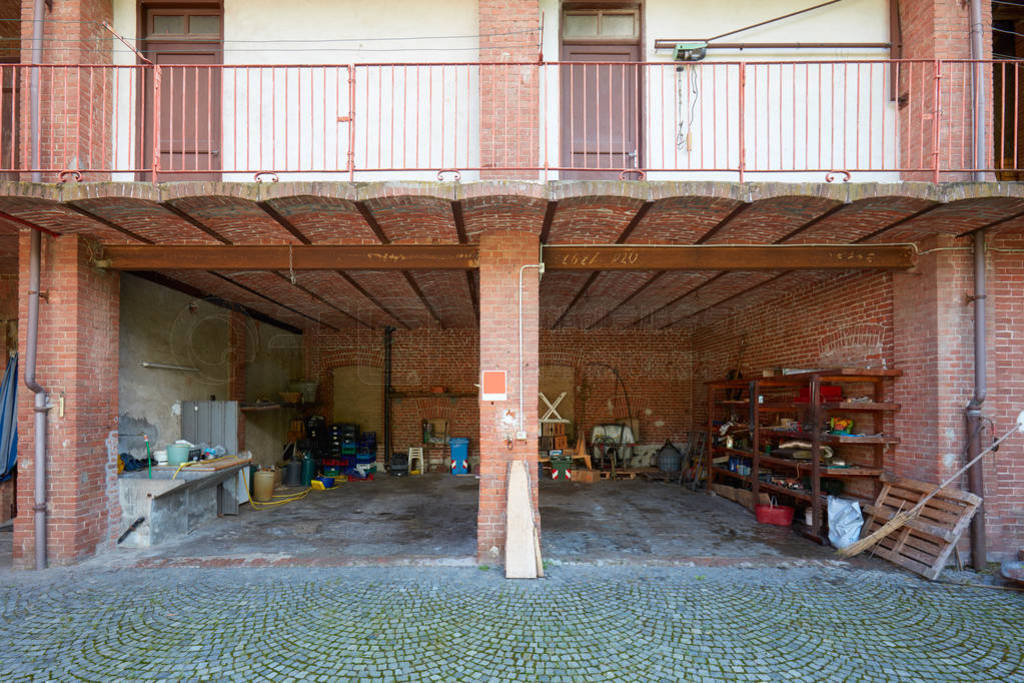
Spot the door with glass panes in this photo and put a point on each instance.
(600, 87)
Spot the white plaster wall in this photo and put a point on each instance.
(159, 325)
(286, 119)
(796, 116)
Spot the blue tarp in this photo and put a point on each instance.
(9, 419)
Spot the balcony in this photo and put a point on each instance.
(882, 121)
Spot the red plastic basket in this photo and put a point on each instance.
(779, 515)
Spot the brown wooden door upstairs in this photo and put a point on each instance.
(600, 119)
(186, 43)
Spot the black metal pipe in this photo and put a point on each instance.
(976, 474)
(388, 331)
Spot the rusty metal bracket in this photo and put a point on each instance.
(455, 171)
(640, 174)
(258, 176)
(62, 176)
(831, 175)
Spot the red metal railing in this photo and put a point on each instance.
(869, 120)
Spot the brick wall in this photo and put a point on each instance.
(502, 253)
(420, 359)
(844, 320)
(1004, 471)
(76, 104)
(509, 96)
(938, 29)
(8, 316)
(655, 366)
(237, 359)
(77, 359)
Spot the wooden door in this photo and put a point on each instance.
(600, 109)
(186, 44)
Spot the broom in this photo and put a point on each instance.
(900, 519)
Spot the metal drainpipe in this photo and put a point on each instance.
(975, 476)
(39, 464)
(978, 88)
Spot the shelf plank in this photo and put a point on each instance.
(862, 406)
(802, 465)
(729, 473)
(833, 439)
(801, 495)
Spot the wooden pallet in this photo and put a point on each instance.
(924, 544)
(620, 474)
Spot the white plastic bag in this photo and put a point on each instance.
(844, 521)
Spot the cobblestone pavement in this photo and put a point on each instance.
(582, 623)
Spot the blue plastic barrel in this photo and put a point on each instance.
(460, 452)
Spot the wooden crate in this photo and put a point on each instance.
(585, 476)
(924, 544)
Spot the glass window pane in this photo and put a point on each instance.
(580, 25)
(618, 25)
(168, 24)
(205, 24)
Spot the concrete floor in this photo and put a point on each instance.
(432, 520)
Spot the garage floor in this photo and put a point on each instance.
(432, 520)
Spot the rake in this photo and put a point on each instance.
(900, 519)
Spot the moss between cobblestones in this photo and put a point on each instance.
(612, 623)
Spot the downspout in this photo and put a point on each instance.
(975, 475)
(978, 88)
(39, 463)
(38, 15)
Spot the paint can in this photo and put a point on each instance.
(263, 486)
(293, 473)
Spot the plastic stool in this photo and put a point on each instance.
(416, 456)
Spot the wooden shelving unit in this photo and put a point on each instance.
(757, 407)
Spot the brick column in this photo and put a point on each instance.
(510, 132)
(76, 104)
(933, 328)
(77, 361)
(237, 365)
(501, 256)
(934, 30)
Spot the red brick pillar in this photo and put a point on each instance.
(77, 361)
(933, 346)
(510, 134)
(238, 356)
(502, 254)
(76, 103)
(938, 30)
